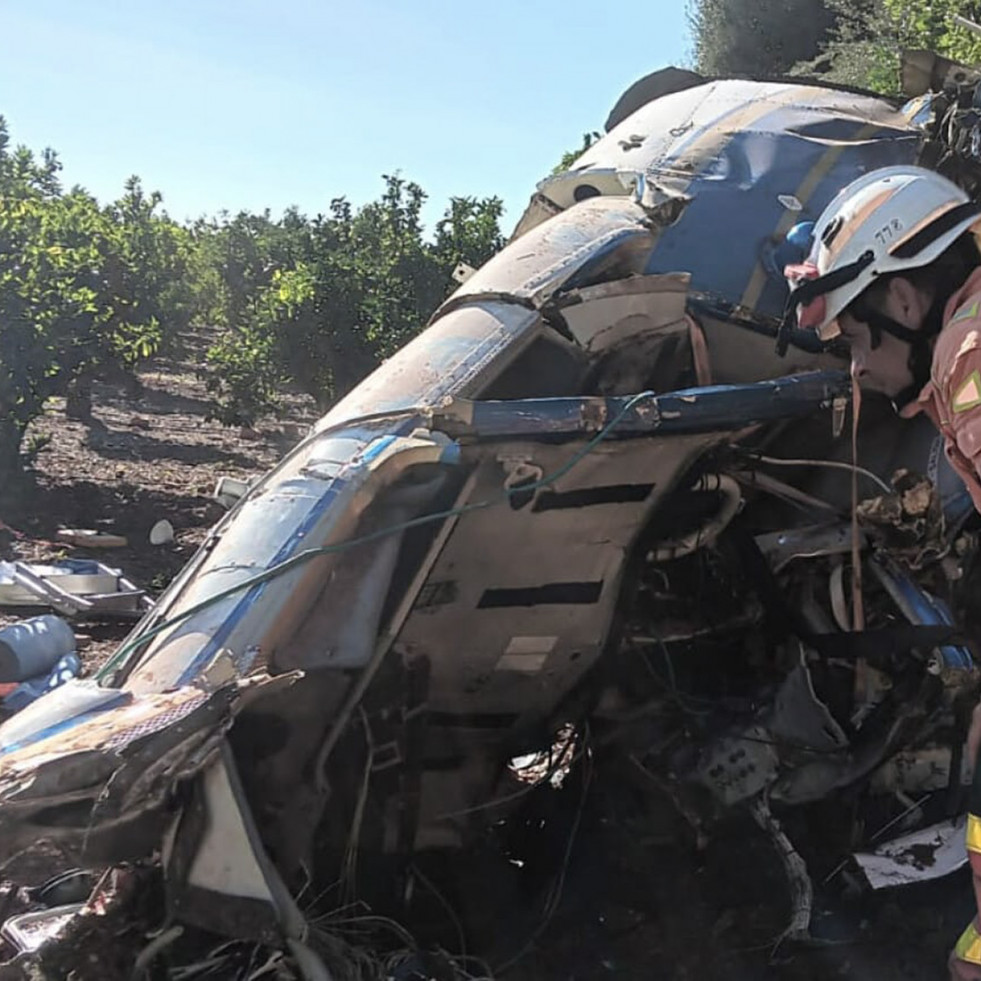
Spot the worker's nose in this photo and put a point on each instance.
(859, 368)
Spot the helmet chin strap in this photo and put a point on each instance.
(919, 341)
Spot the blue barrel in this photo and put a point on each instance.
(33, 647)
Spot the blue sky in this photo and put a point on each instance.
(248, 104)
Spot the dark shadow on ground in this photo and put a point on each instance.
(113, 444)
(38, 511)
(640, 901)
(156, 401)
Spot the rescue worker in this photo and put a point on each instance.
(895, 272)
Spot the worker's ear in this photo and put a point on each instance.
(906, 303)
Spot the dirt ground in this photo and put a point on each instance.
(143, 458)
(633, 899)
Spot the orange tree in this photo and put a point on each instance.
(353, 287)
(82, 288)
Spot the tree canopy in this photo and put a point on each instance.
(850, 42)
(314, 303)
(82, 287)
(757, 37)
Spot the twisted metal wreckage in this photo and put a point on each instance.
(580, 500)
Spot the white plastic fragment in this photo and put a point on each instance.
(162, 533)
(929, 853)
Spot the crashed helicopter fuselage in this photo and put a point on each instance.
(567, 502)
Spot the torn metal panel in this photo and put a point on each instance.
(102, 782)
(734, 160)
(56, 711)
(802, 721)
(515, 609)
(560, 253)
(593, 312)
(217, 873)
(920, 856)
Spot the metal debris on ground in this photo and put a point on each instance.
(928, 853)
(73, 587)
(91, 538)
(162, 533)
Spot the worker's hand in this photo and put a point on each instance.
(974, 737)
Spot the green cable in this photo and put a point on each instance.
(302, 557)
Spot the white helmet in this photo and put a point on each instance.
(888, 220)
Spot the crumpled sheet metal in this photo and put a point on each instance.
(754, 157)
(101, 783)
(553, 254)
(297, 509)
(496, 312)
(110, 731)
(308, 499)
(910, 522)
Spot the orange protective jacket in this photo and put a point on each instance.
(952, 399)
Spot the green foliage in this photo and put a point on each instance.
(235, 259)
(869, 36)
(847, 42)
(81, 288)
(921, 24)
(344, 291)
(862, 50)
(571, 156)
(49, 288)
(145, 300)
(87, 289)
(758, 38)
(245, 376)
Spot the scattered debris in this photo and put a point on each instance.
(36, 656)
(33, 647)
(928, 853)
(311, 731)
(73, 587)
(31, 689)
(229, 491)
(909, 522)
(90, 538)
(162, 533)
(28, 931)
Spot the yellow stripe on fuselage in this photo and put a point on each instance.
(824, 165)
